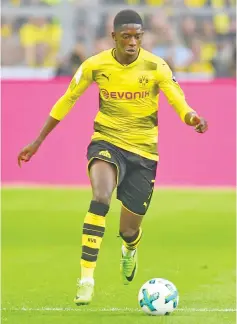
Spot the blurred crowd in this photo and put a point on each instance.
(203, 44)
(186, 3)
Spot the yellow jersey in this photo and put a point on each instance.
(128, 99)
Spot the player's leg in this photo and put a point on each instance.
(103, 177)
(130, 228)
(106, 169)
(131, 233)
(103, 182)
(135, 192)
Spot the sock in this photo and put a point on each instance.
(92, 235)
(132, 242)
(89, 280)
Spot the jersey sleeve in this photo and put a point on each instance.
(171, 89)
(79, 83)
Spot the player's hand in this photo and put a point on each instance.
(199, 123)
(27, 152)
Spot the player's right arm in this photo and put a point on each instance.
(81, 80)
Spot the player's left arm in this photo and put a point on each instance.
(176, 99)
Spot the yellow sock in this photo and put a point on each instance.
(92, 235)
(132, 243)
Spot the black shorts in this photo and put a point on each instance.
(135, 174)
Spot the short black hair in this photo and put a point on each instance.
(127, 17)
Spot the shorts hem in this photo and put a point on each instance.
(131, 210)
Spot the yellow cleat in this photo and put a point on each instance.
(85, 293)
(128, 265)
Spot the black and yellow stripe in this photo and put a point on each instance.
(95, 230)
(131, 243)
(92, 234)
(89, 254)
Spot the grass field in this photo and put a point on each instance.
(189, 238)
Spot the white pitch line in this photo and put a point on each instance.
(113, 309)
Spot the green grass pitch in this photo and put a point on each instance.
(189, 239)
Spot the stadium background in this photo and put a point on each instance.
(47, 39)
(196, 37)
(189, 231)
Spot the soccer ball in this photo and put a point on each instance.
(158, 297)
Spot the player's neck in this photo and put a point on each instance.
(124, 59)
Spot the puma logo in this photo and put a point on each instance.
(105, 76)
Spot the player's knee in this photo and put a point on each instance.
(102, 196)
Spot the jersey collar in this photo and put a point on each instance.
(127, 65)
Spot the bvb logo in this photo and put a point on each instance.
(143, 80)
(104, 94)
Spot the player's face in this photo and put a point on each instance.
(128, 39)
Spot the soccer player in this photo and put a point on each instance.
(123, 150)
